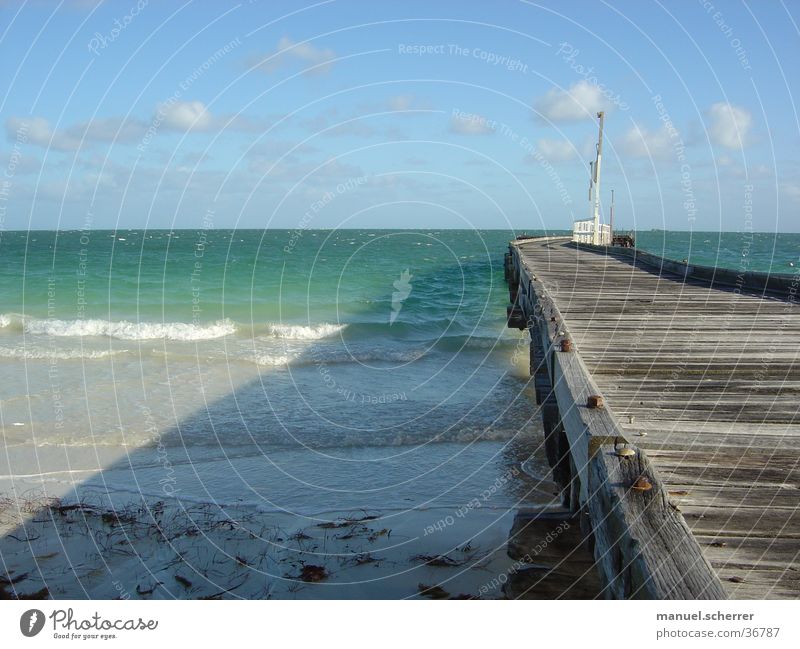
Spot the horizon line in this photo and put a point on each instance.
(293, 229)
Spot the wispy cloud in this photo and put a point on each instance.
(640, 142)
(317, 60)
(186, 116)
(41, 133)
(404, 102)
(556, 150)
(180, 116)
(465, 124)
(729, 126)
(580, 101)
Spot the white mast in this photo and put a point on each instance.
(611, 216)
(596, 239)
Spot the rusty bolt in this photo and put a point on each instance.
(566, 345)
(642, 483)
(594, 401)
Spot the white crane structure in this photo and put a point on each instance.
(592, 230)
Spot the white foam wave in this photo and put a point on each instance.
(125, 330)
(304, 332)
(271, 360)
(36, 353)
(337, 356)
(5, 320)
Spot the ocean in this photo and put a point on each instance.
(302, 371)
(242, 404)
(296, 370)
(741, 251)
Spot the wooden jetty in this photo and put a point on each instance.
(670, 397)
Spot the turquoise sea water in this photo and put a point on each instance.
(302, 370)
(259, 277)
(252, 277)
(299, 370)
(741, 251)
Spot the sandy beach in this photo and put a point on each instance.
(164, 550)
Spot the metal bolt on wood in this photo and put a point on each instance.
(594, 401)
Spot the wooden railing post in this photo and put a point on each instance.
(642, 546)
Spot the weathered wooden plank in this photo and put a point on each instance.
(710, 376)
(657, 556)
(767, 523)
(751, 552)
(697, 493)
(664, 440)
(586, 428)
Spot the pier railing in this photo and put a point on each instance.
(781, 284)
(642, 546)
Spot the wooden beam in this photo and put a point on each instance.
(643, 548)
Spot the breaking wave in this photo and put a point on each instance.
(337, 356)
(125, 330)
(179, 331)
(304, 332)
(37, 353)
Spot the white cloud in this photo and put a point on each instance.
(729, 125)
(639, 142)
(556, 150)
(185, 116)
(20, 162)
(405, 103)
(37, 130)
(402, 102)
(317, 60)
(725, 161)
(111, 129)
(465, 124)
(581, 101)
(179, 116)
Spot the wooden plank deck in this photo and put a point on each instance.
(705, 380)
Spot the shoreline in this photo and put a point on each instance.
(161, 550)
(84, 537)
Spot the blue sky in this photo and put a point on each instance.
(397, 114)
